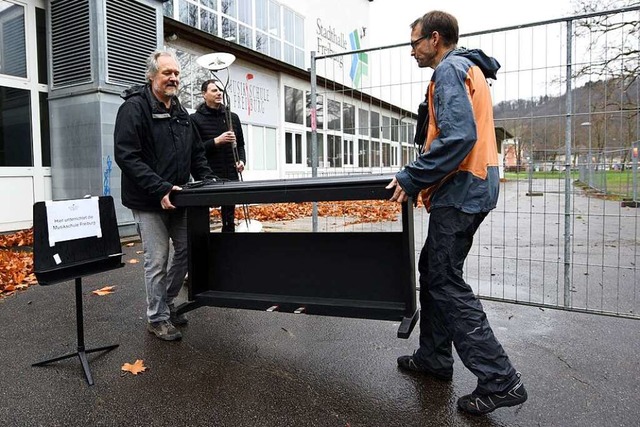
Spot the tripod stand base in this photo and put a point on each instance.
(82, 355)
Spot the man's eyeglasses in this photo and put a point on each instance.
(414, 43)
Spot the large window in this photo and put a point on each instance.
(15, 127)
(13, 53)
(394, 129)
(349, 118)
(237, 21)
(264, 152)
(293, 26)
(192, 76)
(386, 127)
(334, 151)
(386, 154)
(21, 143)
(293, 105)
(188, 13)
(320, 145)
(293, 148)
(363, 121)
(333, 115)
(263, 25)
(45, 147)
(407, 155)
(268, 28)
(363, 153)
(348, 152)
(209, 20)
(41, 40)
(229, 25)
(375, 153)
(375, 125)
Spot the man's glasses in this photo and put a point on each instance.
(414, 43)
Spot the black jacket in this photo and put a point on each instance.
(155, 148)
(211, 123)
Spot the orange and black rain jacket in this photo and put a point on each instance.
(458, 166)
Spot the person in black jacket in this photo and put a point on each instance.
(210, 120)
(157, 149)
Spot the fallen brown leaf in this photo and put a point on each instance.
(16, 265)
(19, 238)
(133, 261)
(30, 279)
(130, 244)
(139, 252)
(104, 291)
(134, 368)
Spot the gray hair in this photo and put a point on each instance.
(152, 62)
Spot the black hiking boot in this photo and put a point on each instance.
(479, 404)
(409, 363)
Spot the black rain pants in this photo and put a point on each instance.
(450, 312)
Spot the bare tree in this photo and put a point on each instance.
(613, 67)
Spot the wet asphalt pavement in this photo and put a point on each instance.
(249, 368)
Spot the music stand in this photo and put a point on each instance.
(63, 260)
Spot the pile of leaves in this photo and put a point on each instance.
(16, 265)
(361, 211)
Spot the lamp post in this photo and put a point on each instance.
(589, 155)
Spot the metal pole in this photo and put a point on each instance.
(314, 137)
(530, 161)
(634, 172)
(567, 173)
(590, 159)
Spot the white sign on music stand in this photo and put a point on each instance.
(73, 219)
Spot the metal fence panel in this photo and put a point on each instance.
(567, 114)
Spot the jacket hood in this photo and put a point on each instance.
(144, 91)
(136, 90)
(487, 64)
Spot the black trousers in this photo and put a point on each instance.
(449, 310)
(228, 220)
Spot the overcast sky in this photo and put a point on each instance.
(391, 18)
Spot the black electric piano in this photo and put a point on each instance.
(368, 275)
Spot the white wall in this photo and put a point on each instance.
(327, 28)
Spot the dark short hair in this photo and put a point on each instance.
(206, 83)
(442, 22)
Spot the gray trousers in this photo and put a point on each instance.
(450, 313)
(163, 273)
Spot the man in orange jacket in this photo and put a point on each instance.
(457, 175)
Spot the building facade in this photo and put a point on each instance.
(64, 63)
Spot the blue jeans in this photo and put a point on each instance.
(163, 274)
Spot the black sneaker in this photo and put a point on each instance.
(178, 319)
(164, 330)
(409, 363)
(478, 404)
